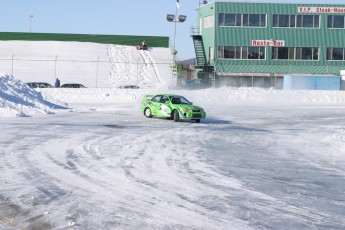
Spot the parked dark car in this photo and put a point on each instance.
(39, 85)
(196, 84)
(129, 87)
(72, 85)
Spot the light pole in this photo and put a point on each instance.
(203, 2)
(31, 16)
(172, 18)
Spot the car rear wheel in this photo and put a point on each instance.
(147, 113)
(176, 116)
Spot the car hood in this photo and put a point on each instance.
(189, 107)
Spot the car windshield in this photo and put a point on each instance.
(179, 100)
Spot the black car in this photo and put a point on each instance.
(129, 87)
(39, 85)
(72, 85)
(196, 84)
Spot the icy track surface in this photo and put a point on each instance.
(244, 167)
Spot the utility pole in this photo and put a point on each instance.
(31, 16)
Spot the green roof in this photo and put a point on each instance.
(153, 41)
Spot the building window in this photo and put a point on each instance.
(242, 20)
(232, 52)
(308, 21)
(242, 52)
(336, 22)
(209, 21)
(296, 21)
(295, 53)
(335, 54)
(284, 20)
(283, 53)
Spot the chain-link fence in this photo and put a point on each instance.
(96, 72)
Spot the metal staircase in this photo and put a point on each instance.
(201, 60)
(199, 51)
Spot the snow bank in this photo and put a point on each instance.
(17, 99)
(211, 96)
(265, 97)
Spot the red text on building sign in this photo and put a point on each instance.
(268, 43)
(334, 10)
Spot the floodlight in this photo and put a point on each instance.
(182, 18)
(170, 17)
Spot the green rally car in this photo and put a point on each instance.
(172, 107)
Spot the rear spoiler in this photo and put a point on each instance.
(146, 98)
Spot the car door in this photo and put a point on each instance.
(164, 109)
(155, 105)
(159, 106)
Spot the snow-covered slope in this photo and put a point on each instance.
(137, 67)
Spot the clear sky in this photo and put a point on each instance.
(114, 17)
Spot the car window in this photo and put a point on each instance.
(164, 99)
(179, 100)
(156, 98)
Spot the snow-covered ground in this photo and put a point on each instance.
(89, 159)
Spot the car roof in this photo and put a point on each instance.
(72, 84)
(168, 95)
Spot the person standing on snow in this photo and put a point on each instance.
(57, 83)
(144, 45)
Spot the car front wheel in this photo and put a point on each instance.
(147, 113)
(176, 116)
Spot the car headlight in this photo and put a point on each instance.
(186, 110)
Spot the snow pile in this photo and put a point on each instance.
(17, 99)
